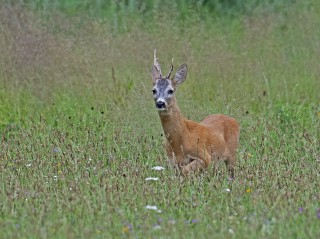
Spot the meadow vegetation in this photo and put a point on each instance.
(80, 133)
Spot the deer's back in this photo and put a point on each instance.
(224, 125)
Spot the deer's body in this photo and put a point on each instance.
(193, 146)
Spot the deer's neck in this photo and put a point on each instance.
(173, 124)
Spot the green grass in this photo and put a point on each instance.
(80, 134)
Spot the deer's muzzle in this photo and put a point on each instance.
(160, 105)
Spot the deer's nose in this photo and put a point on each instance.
(160, 105)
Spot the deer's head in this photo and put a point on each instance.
(164, 87)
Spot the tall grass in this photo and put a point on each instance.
(121, 14)
(79, 132)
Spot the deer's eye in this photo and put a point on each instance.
(170, 92)
(154, 91)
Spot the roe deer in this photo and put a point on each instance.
(192, 146)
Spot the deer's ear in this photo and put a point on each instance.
(180, 75)
(156, 74)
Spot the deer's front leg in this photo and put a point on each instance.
(196, 164)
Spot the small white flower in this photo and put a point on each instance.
(156, 227)
(158, 168)
(155, 208)
(227, 190)
(29, 165)
(153, 179)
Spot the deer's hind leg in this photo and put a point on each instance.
(231, 155)
(230, 162)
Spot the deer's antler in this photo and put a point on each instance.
(171, 69)
(155, 62)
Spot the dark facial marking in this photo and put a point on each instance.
(162, 84)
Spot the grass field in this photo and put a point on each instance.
(80, 133)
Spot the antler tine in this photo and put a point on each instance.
(171, 69)
(155, 61)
